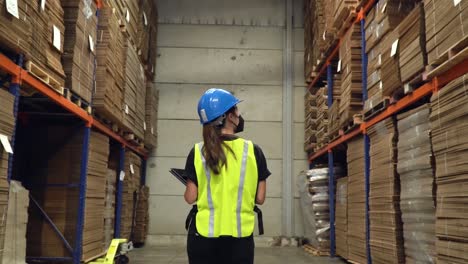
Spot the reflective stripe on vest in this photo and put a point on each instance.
(226, 200)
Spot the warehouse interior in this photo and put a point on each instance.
(359, 106)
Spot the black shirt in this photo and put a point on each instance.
(263, 172)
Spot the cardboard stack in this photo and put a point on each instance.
(79, 48)
(309, 9)
(108, 99)
(341, 217)
(48, 31)
(109, 211)
(322, 118)
(446, 25)
(310, 107)
(314, 35)
(131, 184)
(356, 202)
(381, 20)
(152, 99)
(449, 123)
(61, 204)
(14, 251)
(147, 23)
(343, 8)
(7, 124)
(386, 230)
(412, 43)
(142, 216)
(329, 33)
(15, 33)
(130, 13)
(390, 71)
(351, 76)
(417, 201)
(334, 110)
(135, 90)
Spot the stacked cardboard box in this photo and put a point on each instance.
(322, 118)
(334, 110)
(309, 9)
(135, 90)
(315, 36)
(356, 202)
(147, 22)
(79, 48)
(7, 124)
(417, 201)
(446, 24)
(109, 96)
(351, 76)
(131, 184)
(61, 204)
(449, 123)
(343, 8)
(381, 20)
(142, 216)
(130, 12)
(341, 217)
(390, 71)
(329, 33)
(386, 230)
(48, 31)
(16, 223)
(152, 99)
(15, 33)
(310, 107)
(109, 211)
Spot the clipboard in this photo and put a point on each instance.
(180, 175)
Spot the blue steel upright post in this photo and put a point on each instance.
(331, 177)
(14, 90)
(143, 172)
(366, 137)
(118, 202)
(82, 196)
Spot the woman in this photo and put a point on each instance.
(227, 177)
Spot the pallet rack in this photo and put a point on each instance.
(436, 80)
(19, 76)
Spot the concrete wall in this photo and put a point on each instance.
(236, 45)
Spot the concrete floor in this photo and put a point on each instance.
(263, 255)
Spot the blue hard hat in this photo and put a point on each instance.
(214, 103)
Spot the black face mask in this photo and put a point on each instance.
(240, 126)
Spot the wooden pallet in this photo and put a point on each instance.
(134, 139)
(454, 55)
(377, 109)
(76, 99)
(351, 124)
(419, 79)
(42, 75)
(315, 252)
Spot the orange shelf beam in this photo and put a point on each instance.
(335, 50)
(423, 91)
(23, 76)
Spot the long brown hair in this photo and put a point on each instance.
(213, 145)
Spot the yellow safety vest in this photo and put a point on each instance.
(226, 200)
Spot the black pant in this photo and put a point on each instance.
(222, 250)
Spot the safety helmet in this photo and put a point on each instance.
(214, 103)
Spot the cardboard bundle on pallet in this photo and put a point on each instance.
(131, 185)
(151, 120)
(15, 28)
(417, 201)
(446, 34)
(108, 99)
(135, 90)
(322, 118)
(309, 9)
(351, 76)
(329, 33)
(310, 107)
(142, 216)
(130, 12)
(390, 71)
(356, 202)
(48, 31)
(79, 48)
(109, 211)
(449, 123)
(344, 10)
(147, 23)
(7, 124)
(61, 204)
(341, 220)
(386, 229)
(334, 110)
(381, 20)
